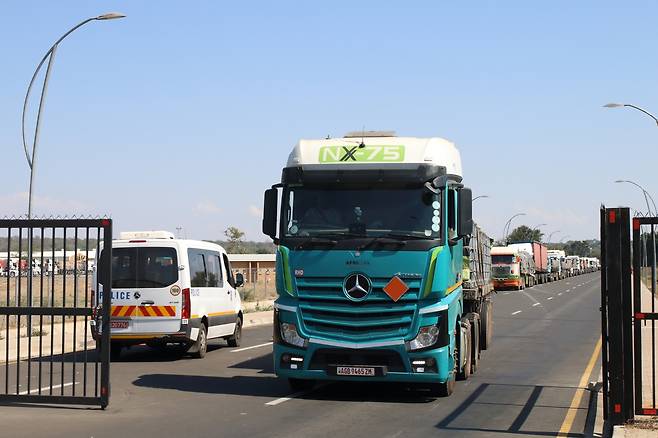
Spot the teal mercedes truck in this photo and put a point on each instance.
(381, 274)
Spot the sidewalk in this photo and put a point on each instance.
(251, 319)
(55, 331)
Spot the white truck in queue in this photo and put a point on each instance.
(167, 290)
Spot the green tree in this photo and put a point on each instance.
(235, 240)
(524, 233)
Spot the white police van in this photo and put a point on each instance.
(167, 290)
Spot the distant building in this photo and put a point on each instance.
(255, 267)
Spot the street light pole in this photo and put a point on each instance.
(645, 192)
(50, 56)
(550, 236)
(508, 224)
(627, 105)
(564, 238)
(478, 197)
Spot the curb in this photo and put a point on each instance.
(258, 318)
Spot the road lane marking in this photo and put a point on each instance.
(517, 312)
(559, 293)
(536, 304)
(253, 346)
(46, 388)
(278, 401)
(580, 391)
(549, 298)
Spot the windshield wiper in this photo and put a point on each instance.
(316, 240)
(383, 240)
(406, 236)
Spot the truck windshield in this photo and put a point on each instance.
(502, 259)
(399, 213)
(150, 267)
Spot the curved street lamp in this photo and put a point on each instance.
(564, 238)
(620, 105)
(508, 224)
(481, 196)
(550, 236)
(645, 192)
(50, 55)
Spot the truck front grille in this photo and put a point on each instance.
(500, 271)
(327, 356)
(327, 312)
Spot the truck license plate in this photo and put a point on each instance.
(119, 324)
(355, 371)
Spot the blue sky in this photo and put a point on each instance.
(183, 113)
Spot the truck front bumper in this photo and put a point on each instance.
(505, 283)
(394, 363)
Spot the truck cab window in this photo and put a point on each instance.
(452, 214)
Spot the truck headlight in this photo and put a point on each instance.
(290, 335)
(427, 336)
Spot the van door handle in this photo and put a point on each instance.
(148, 303)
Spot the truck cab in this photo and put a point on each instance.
(510, 268)
(370, 231)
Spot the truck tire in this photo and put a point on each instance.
(465, 371)
(486, 323)
(474, 318)
(444, 389)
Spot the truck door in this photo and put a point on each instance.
(146, 294)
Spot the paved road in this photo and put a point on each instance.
(544, 338)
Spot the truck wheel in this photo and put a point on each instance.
(475, 341)
(234, 339)
(300, 384)
(486, 324)
(465, 371)
(443, 389)
(200, 347)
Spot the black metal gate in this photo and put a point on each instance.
(47, 310)
(616, 322)
(645, 308)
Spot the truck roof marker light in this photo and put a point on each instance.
(396, 288)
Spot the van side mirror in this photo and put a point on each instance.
(239, 280)
(270, 210)
(465, 217)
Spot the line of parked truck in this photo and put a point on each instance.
(525, 264)
(13, 267)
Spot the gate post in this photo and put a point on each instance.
(616, 308)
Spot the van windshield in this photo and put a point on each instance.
(151, 267)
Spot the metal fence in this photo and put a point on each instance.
(645, 308)
(49, 353)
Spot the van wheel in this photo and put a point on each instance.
(200, 347)
(115, 351)
(234, 339)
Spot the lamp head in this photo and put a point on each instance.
(111, 16)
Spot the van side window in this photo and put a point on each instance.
(227, 267)
(214, 269)
(197, 268)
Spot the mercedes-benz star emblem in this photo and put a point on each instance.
(357, 287)
(137, 295)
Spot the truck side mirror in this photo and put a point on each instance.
(270, 211)
(465, 217)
